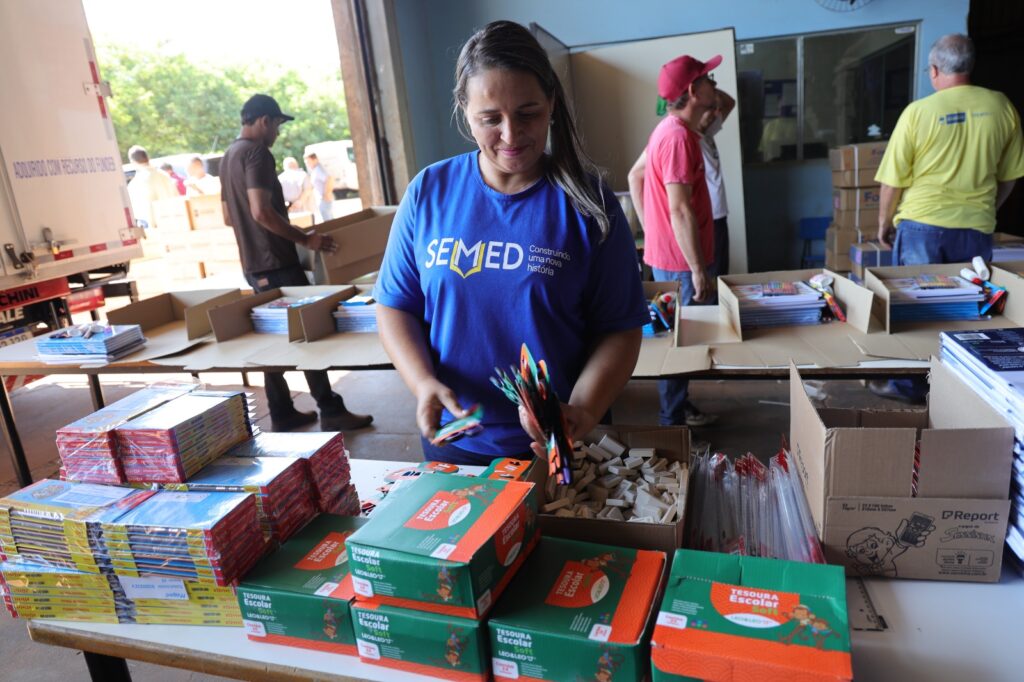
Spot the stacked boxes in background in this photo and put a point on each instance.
(426, 573)
(855, 200)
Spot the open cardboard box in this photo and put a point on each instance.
(857, 470)
(317, 319)
(826, 345)
(174, 321)
(361, 238)
(233, 320)
(672, 443)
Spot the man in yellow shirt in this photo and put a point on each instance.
(952, 161)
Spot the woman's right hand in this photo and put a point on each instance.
(431, 397)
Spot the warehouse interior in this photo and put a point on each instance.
(819, 88)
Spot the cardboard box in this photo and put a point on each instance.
(448, 544)
(727, 617)
(857, 156)
(839, 239)
(671, 442)
(865, 177)
(1002, 275)
(857, 468)
(300, 595)
(433, 644)
(577, 610)
(192, 307)
(859, 199)
(361, 238)
(854, 300)
(205, 212)
(317, 321)
(170, 215)
(233, 320)
(869, 254)
(837, 262)
(864, 220)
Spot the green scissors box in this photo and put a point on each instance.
(446, 544)
(300, 595)
(727, 617)
(577, 611)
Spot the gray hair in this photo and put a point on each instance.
(507, 45)
(952, 54)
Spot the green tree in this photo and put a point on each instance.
(170, 105)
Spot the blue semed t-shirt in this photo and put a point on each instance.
(488, 271)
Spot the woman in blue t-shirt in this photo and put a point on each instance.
(514, 242)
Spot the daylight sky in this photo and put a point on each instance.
(298, 34)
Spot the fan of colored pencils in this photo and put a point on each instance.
(530, 388)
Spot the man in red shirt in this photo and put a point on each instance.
(671, 197)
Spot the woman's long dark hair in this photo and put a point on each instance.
(508, 45)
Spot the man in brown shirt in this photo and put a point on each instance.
(254, 207)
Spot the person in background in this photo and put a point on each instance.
(507, 245)
(670, 191)
(951, 162)
(199, 182)
(323, 187)
(147, 185)
(710, 125)
(298, 190)
(253, 205)
(178, 180)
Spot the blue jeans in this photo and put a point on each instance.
(921, 244)
(453, 454)
(674, 393)
(279, 396)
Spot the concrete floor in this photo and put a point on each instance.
(753, 415)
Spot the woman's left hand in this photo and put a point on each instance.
(578, 422)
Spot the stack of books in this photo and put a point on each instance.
(284, 495)
(272, 317)
(89, 343)
(992, 363)
(933, 297)
(325, 457)
(778, 304)
(34, 589)
(174, 441)
(357, 314)
(88, 447)
(208, 537)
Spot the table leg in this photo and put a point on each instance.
(104, 668)
(10, 433)
(96, 391)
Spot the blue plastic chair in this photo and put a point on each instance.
(813, 230)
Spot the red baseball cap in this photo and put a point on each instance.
(676, 76)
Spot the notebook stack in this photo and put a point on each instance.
(272, 317)
(39, 590)
(89, 343)
(778, 304)
(207, 537)
(284, 494)
(88, 447)
(933, 297)
(58, 523)
(174, 441)
(357, 314)
(992, 363)
(326, 458)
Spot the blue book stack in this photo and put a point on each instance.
(778, 304)
(272, 317)
(933, 298)
(991, 362)
(89, 343)
(357, 314)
